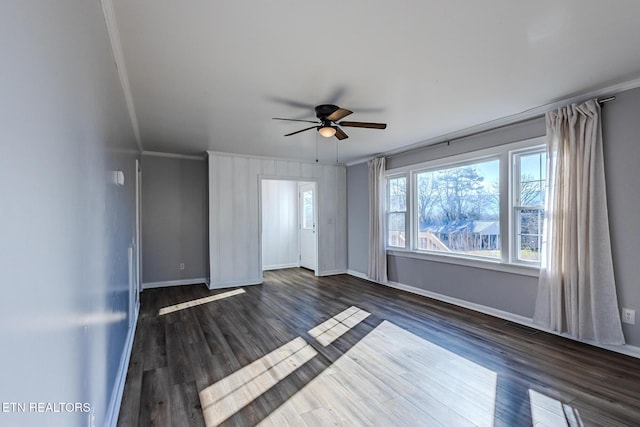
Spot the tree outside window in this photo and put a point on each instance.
(529, 204)
(458, 209)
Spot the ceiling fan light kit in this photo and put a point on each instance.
(327, 131)
(328, 125)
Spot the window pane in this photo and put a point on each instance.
(396, 230)
(532, 179)
(530, 221)
(529, 235)
(529, 248)
(458, 209)
(307, 218)
(398, 194)
(533, 165)
(396, 206)
(532, 193)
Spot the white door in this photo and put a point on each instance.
(308, 226)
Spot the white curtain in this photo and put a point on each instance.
(377, 253)
(576, 290)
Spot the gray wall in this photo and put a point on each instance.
(280, 236)
(65, 230)
(508, 292)
(174, 220)
(504, 135)
(621, 136)
(511, 292)
(358, 217)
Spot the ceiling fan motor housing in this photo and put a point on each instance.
(325, 110)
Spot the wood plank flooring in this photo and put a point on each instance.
(305, 351)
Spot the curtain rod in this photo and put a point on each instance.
(603, 100)
(450, 140)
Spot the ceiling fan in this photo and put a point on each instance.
(328, 125)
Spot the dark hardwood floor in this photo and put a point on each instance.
(300, 350)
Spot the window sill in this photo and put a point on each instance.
(524, 270)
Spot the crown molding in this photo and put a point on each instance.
(118, 56)
(523, 116)
(173, 155)
(251, 156)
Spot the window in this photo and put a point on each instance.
(482, 208)
(458, 209)
(396, 212)
(528, 203)
(307, 206)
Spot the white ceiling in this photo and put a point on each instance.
(211, 74)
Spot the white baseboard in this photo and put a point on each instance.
(280, 266)
(331, 272)
(118, 389)
(626, 349)
(234, 284)
(196, 281)
(515, 318)
(357, 274)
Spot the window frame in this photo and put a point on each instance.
(514, 207)
(305, 225)
(506, 155)
(389, 212)
(415, 214)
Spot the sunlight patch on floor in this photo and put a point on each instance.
(547, 411)
(199, 301)
(390, 377)
(332, 329)
(229, 395)
(393, 377)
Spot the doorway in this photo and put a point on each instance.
(288, 224)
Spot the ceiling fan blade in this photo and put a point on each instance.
(302, 130)
(290, 102)
(296, 120)
(340, 113)
(364, 125)
(340, 134)
(337, 94)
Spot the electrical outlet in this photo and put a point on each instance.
(182, 266)
(628, 316)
